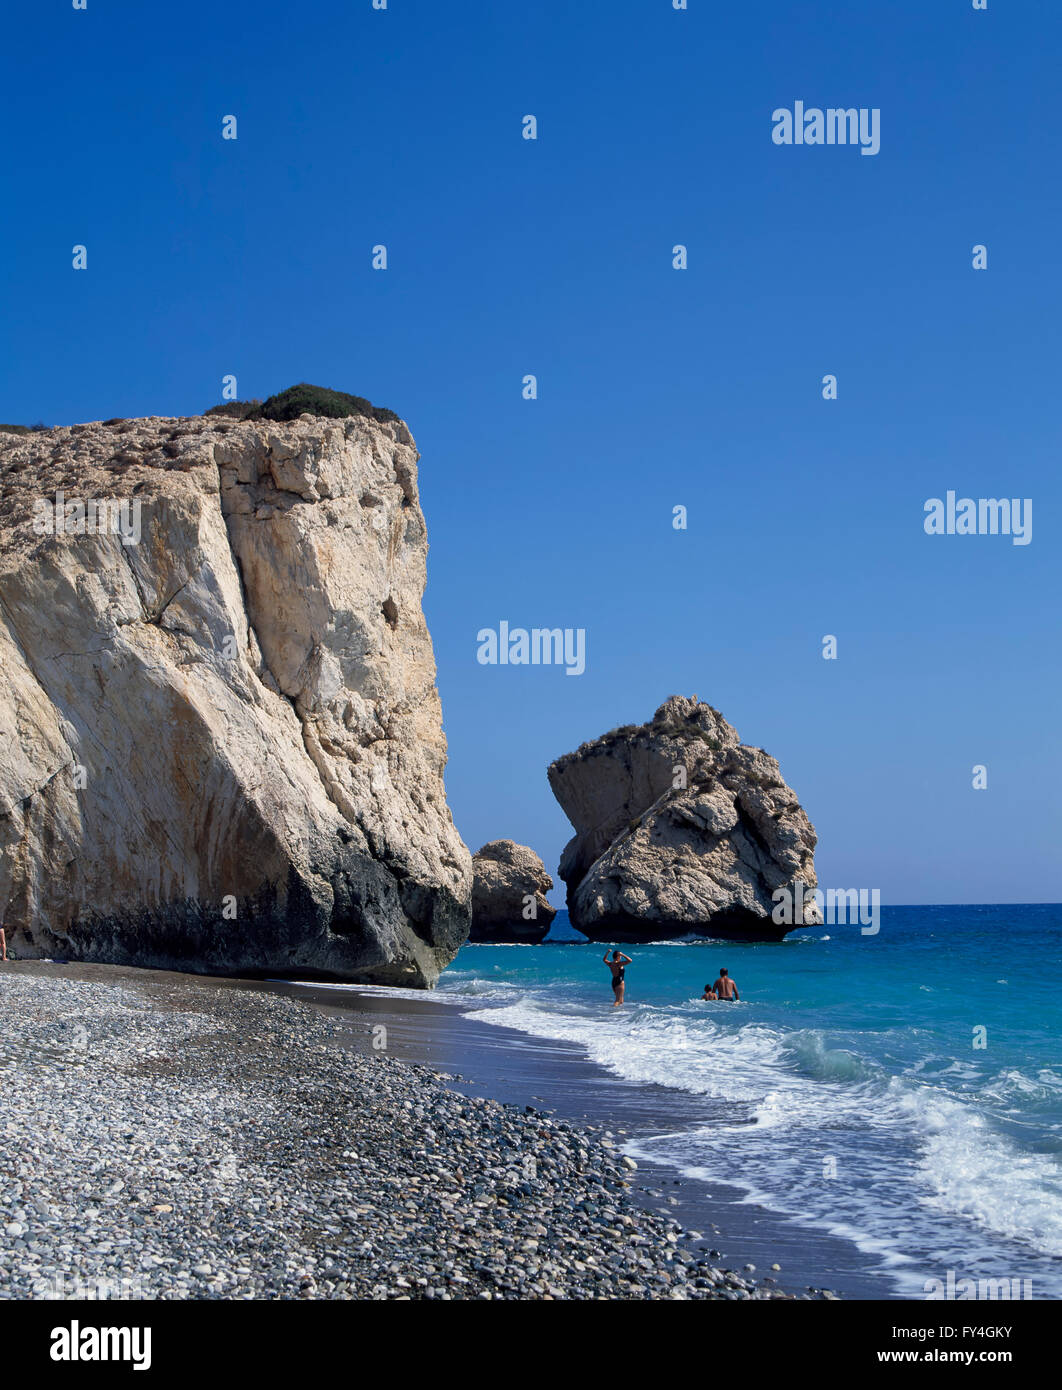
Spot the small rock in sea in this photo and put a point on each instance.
(505, 877)
(776, 1266)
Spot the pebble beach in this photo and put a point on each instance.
(182, 1139)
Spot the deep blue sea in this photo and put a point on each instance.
(847, 1088)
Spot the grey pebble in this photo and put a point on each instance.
(214, 1142)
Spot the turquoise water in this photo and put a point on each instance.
(847, 1088)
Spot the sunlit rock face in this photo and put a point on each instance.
(681, 829)
(221, 743)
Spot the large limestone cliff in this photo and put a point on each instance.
(681, 829)
(221, 744)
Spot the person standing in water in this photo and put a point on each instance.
(725, 988)
(618, 965)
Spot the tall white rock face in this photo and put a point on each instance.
(221, 745)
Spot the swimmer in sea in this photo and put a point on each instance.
(618, 965)
(725, 988)
(709, 993)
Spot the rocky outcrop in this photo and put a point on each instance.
(221, 745)
(510, 882)
(680, 829)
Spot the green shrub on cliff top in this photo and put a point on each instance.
(236, 410)
(305, 399)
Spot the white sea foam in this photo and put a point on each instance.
(967, 1168)
(1014, 1085)
(918, 1169)
(376, 991)
(656, 1045)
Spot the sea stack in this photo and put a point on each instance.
(681, 830)
(509, 883)
(221, 744)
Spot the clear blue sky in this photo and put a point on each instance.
(656, 387)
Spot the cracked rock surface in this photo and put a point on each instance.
(681, 829)
(221, 743)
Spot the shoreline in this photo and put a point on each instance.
(219, 1062)
(181, 1137)
(502, 1063)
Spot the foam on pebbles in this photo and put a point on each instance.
(183, 1141)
